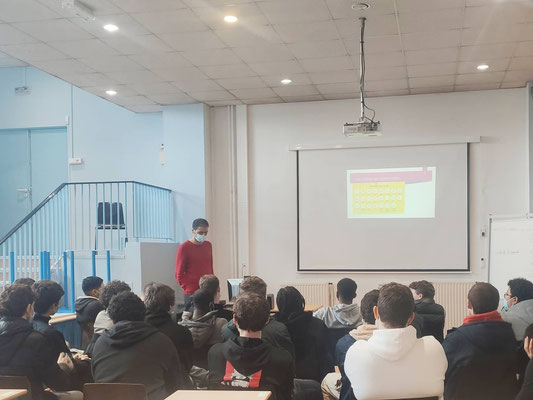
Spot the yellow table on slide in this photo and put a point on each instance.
(380, 198)
(219, 395)
(8, 394)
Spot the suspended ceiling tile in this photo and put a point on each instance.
(178, 74)
(299, 99)
(273, 68)
(494, 13)
(170, 21)
(343, 9)
(172, 98)
(327, 64)
(53, 30)
(432, 56)
(270, 100)
(137, 44)
(392, 59)
(430, 21)
(132, 100)
(427, 90)
(296, 90)
(477, 86)
(387, 93)
(11, 35)
(94, 79)
(258, 54)
(307, 31)
(487, 51)
(389, 84)
(160, 60)
(432, 81)
(351, 88)
(147, 108)
(334, 77)
(211, 57)
(374, 74)
(275, 80)
(85, 48)
(340, 96)
(205, 85)
(222, 103)
(32, 52)
(242, 83)
(98, 7)
(431, 40)
(428, 5)
(253, 93)
(518, 76)
(499, 33)
(122, 90)
(477, 78)
(133, 6)
(518, 63)
(248, 15)
(375, 44)
(63, 67)
(127, 77)
(380, 25)
(206, 96)
(150, 88)
(468, 67)
(227, 71)
(524, 49)
(127, 26)
(323, 48)
(111, 63)
(425, 70)
(192, 40)
(255, 35)
(24, 10)
(286, 12)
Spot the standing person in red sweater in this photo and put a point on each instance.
(194, 259)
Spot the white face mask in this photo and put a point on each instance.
(199, 238)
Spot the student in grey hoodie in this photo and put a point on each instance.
(346, 314)
(518, 306)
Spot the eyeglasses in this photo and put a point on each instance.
(507, 296)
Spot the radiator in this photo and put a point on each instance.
(316, 293)
(453, 297)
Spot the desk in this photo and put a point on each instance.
(8, 394)
(59, 318)
(218, 395)
(311, 308)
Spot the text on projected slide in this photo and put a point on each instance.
(391, 193)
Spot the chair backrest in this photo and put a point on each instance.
(110, 214)
(16, 382)
(113, 391)
(333, 336)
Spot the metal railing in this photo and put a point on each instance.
(84, 216)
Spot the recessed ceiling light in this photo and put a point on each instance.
(482, 67)
(360, 6)
(231, 18)
(111, 92)
(286, 81)
(111, 28)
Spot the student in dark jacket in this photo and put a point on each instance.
(247, 362)
(481, 353)
(211, 283)
(526, 393)
(312, 357)
(430, 314)
(159, 300)
(133, 351)
(26, 352)
(87, 307)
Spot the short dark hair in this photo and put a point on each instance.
(211, 283)
(529, 332)
(289, 301)
(347, 288)
(198, 222)
(91, 283)
(24, 281)
(395, 305)
(202, 300)
(111, 289)
(251, 311)
(483, 297)
(425, 288)
(254, 284)
(368, 302)
(126, 306)
(521, 288)
(158, 298)
(47, 293)
(14, 300)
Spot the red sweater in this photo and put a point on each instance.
(192, 262)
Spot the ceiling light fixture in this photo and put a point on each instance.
(231, 19)
(360, 6)
(286, 81)
(111, 28)
(110, 92)
(483, 67)
(79, 9)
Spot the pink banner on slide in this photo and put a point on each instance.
(407, 176)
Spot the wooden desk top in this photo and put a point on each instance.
(219, 395)
(63, 317)
(310, 307)
(8, 394)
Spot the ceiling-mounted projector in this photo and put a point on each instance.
(362, 128)
(79, 9)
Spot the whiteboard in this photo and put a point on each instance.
(510, 250)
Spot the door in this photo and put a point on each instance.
(33, 162)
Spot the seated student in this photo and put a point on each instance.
(345, 314)
(159, 300)
(432, 314)
(247, 361)
(526, 393)
(204, 326)
(24, 281)
(26, 352)
(312, 357)
(330, 385)
(211, 283)
(393, 363)
(133, 351)
(274, 332)
(87, 307)
(482, 353)
(103, 322)
(518, 306)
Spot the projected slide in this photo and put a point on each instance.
(391, 193)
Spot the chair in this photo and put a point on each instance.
(16, 382)
(333, 336)
(109, 216)
(113, 391)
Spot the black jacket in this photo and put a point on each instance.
(234, 365)
(26, 352)
(179, 335)
(136, 352)
(526, 393)
(56, 339)
(87, 308)
(312, 356)
(433, 317)
(342, 347)
(482, 362)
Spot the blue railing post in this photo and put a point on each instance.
(72, 281)
(93, 263)
(108, 263)
(47, 274)
(65, 278)
(12, 276)
(41, 266)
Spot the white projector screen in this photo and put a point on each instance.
(383, 209)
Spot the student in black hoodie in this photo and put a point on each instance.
(308, 333)
(26, 352)
(247, 362)
(431, 315)
(87, 307)
(159, 300)
(133, 351)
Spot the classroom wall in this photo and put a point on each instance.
(498, 171)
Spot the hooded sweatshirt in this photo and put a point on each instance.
(252, 364)
(520, 316)
(87, 308)
(205, 330)
(340, 316)
(407, 367)
(136, 352)
(433, 317)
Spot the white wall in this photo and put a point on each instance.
(498, 171)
